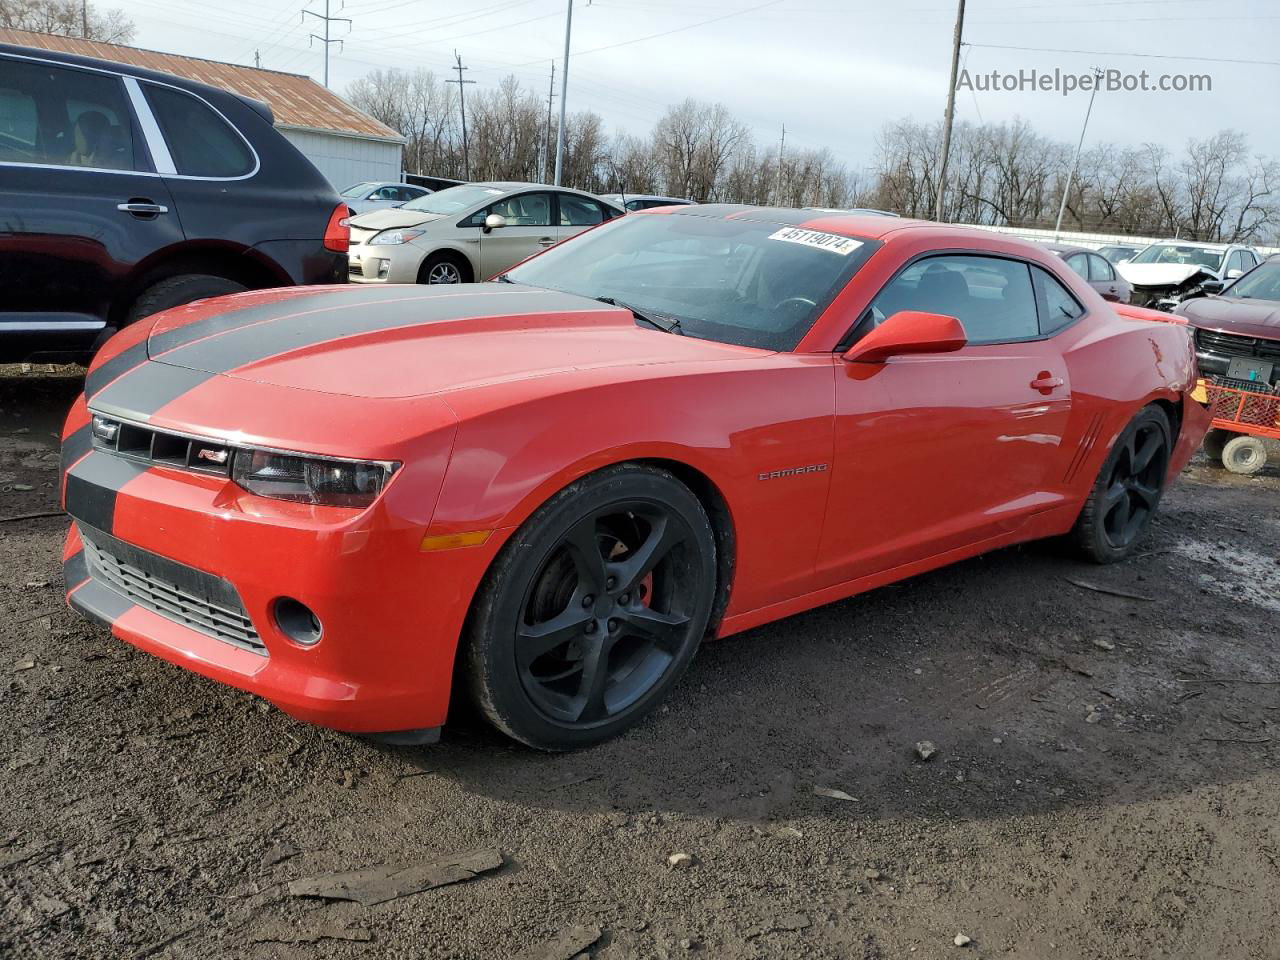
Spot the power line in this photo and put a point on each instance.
(667, 33)
(1121, 53)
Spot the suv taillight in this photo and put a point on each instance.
(337, 235)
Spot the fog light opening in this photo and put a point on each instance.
(297, 622)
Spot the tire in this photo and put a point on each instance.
(1127, 492)
(439, 266)
(176, 291)
(1214, 442)
(1244, 455)
(623, 561)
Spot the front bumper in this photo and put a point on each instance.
(383, 263)
(391, 613)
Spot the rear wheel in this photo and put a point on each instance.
(1127, 492)
(175, 291)
(1244, 455)
(593, 609)
(1214, 442)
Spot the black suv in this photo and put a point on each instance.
(124, 191)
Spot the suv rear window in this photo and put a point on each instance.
(201, 143)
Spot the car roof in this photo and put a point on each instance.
(1065, 248)
(1201, 244)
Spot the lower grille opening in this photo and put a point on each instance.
(198, 600)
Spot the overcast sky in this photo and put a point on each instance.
(833, 71)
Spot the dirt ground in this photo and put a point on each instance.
(1096, 792)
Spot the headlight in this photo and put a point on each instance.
(394, 236)
(303, 479)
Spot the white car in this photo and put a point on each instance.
(1165, 273)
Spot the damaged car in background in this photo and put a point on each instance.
(1168, 272)
(1237, 331)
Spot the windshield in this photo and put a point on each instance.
(1180, 253)
(453, 199)
(359, 189)
(1117, 253)
(1260, 283)
(738, 281)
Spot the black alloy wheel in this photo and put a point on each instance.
(593, 609)
(1127, 492)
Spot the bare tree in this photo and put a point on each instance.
(67, 18)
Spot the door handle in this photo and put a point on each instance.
(142, 208)
(547, 241)
(1046, 382)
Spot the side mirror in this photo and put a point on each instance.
(1213, 286)
(494, 221)
(1232, 274)
(906, 332)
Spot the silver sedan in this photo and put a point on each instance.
(469, 232)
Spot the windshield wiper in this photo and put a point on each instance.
(504, 278)
(665, 324)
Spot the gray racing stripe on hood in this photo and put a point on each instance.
(235, 319)
(145, 389)
(403, 307)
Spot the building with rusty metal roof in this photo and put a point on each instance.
(348, 146)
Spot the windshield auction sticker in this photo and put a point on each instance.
(821, 241)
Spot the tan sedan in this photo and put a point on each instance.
(469, 232)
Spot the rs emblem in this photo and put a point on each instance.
(213, 456)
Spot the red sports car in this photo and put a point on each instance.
(544, 492)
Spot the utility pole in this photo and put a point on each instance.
(462, 97)
(546, 142)
(951, 113)
(564, 92)
(325, 39)
(257, 59)
(781, 145)
(1071, 174)
(84, 19)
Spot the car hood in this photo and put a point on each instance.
(413, 341)
(1161, 274)
(1248, 318)
(392, 218)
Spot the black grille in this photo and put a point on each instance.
(1249, 386)
(145, 444)
(1211, 341)
(193, 598)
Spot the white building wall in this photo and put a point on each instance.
(345, 160)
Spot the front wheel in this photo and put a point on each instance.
(1127, 492)
(593, 610)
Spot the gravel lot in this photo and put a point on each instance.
(1084, 801)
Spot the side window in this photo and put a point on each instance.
(637, 205)
(384, 193)
(1057, 305)
(68, 118)
(990, 296)
(578, 211)
(1079, 263)
(1100, 269)
(201, 142)
(523, 210)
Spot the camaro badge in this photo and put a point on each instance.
(792, 471)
